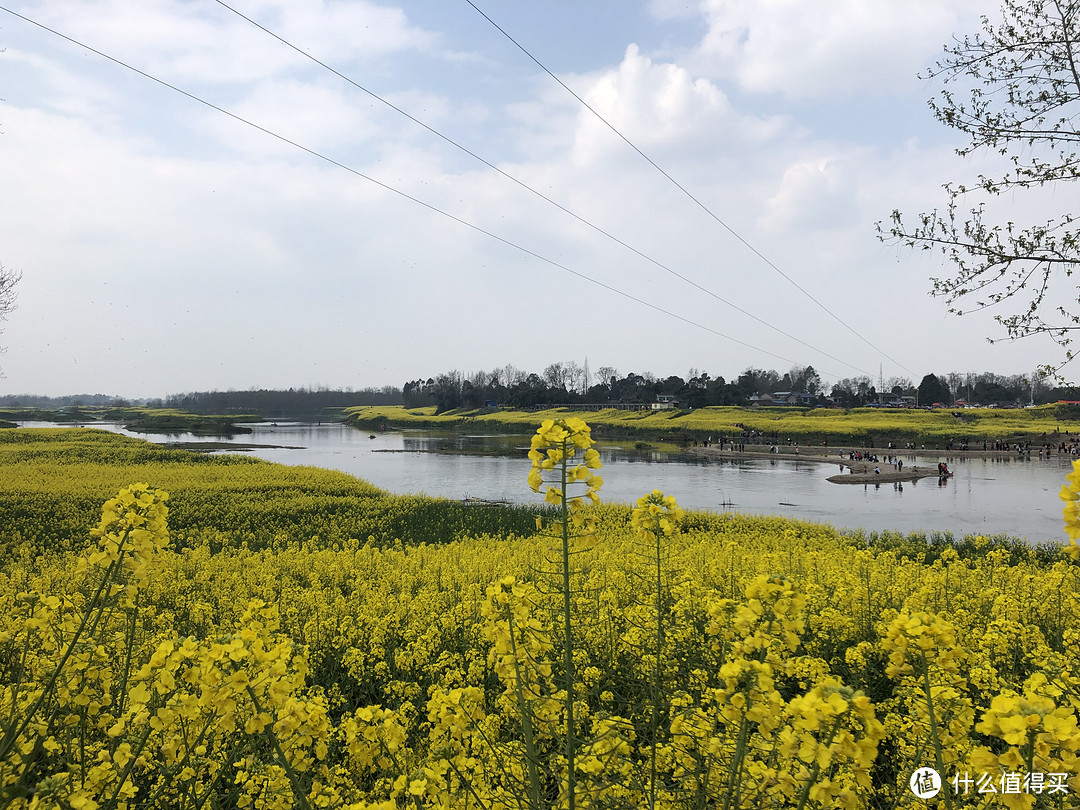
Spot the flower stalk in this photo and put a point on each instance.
(554, 448)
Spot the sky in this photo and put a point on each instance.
(236, 215)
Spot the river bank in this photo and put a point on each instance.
(863, 428)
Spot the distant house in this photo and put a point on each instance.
(664, 402)
(894, 401)
(785, 398)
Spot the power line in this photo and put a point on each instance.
(685, 191)
(529, 188)
(400, 193)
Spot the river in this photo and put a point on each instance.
(986, 496)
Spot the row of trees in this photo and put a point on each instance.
(569, 383)
(297, 402)
(984, 388)
(300, 403)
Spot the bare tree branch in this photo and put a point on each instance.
(1019, 96)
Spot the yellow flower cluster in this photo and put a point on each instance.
(744, 742)
(132, 530)
(554, 453)
(918, 640)
(655, 515)
(832, 744)
(1041, 736)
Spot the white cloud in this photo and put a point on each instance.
(819, 48)
(662, 106)
(354, 31)
(815, 193)
(319, 115)
(204, 42)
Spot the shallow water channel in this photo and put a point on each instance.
(986, 496)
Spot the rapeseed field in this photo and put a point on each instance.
(229, 633)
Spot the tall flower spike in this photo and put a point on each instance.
(563, 457)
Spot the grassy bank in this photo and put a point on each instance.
(169, 421)
(859, 427)
(144, 420)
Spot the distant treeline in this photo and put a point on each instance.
(570, 383)
(272, 403)
(264, 402)
(56, 403)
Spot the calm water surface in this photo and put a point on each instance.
(986, 496)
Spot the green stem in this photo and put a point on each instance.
(82, 748)
(526, 723)
(568, 645)
(225, 801)
(467, 783)
(120, 696)
(127, 769)
(655, 723)
(935, 738)
(735, 769)
(183, 762)
(298, 793)
(1029, 750)
(18, 683)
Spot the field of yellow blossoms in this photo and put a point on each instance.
(274, 637)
